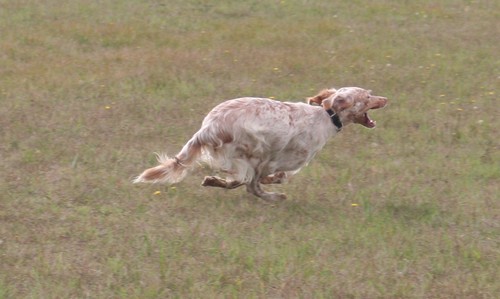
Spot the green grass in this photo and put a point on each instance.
(88, 91)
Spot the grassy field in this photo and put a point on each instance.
(90, 89)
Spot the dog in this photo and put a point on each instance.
(259, 141)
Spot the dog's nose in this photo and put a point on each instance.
(383, 102)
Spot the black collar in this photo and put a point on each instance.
(335, 119)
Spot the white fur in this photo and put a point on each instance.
(256, 140)
(269, 136)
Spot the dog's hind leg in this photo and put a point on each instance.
(213, 181)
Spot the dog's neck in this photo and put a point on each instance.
(334, 117)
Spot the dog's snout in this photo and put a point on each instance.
(379, 102)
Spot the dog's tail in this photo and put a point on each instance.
(173, 170)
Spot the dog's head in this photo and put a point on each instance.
(350, 103)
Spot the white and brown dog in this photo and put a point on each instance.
(262, 141)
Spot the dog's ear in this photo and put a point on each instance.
(321, 96)
(341, 103)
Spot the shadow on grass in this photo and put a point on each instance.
(408, 213)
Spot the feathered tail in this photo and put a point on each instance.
(172, 170)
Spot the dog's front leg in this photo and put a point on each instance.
(254, 188)
(277, 178)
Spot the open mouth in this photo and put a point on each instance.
(368, 122)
